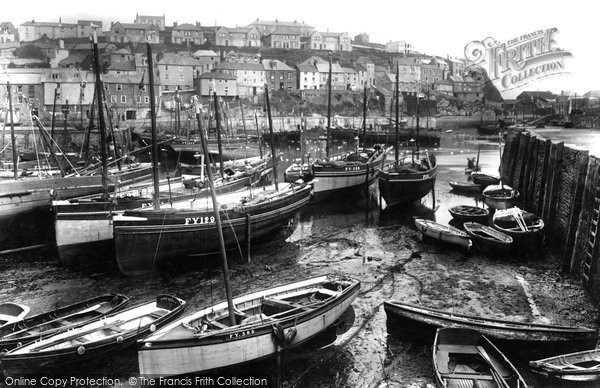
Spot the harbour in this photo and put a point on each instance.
(353, 237)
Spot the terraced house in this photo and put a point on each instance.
(266, 27)
(279, 75)
(238, 37)
(250, 77)
(177, 72)
(334, 41)
(186, 34)
(285, 38)
(133, 33)
(308, 76)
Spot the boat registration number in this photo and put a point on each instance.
(241, 333)
(199, 220)
(425, 176)
(352, 168)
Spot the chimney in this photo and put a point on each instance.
(174, 24)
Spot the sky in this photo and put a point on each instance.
(433, 27)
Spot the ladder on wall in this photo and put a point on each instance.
(591, 243)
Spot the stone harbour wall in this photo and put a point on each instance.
(562, 185)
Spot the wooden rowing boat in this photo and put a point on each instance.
(500, 197)
(12, 312)
(579, 366)
(487, 238)
(466, 187)
(60, 319)
(466, 213)
(483, 179)
(265, 322)
(443, 233)
(519, 336)
(90, 342)
(526, 229)
(466, 358)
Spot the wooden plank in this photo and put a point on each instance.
(576, 209)
(544, 175)
(554, 191)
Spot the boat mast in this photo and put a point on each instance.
(12, 132)
(217, 216)
(153, 126)
(218, 120)
(328, 109)
(397, 113)
(260, 139)
(364, 128)
(272, 137)
(102, 129)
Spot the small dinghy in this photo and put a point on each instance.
(443, 233)
(89, 343)
(580, 366)
(526, 229)
(487, 238)
(500, 197)
(61, 319)
(12, 312)
(484, 179)
(466, 187)
(466, 358)
(466, 213)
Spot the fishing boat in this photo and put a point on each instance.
(444, 233)
(484, 179)
(522, 337)
(467, 187)
(500, 197)
(489, 129)
(466, 358)
(343, 173)
(466, 213)
(12, 312)
(264, 322)
(526, 229)
(89, 343)
(579, 366)
(409, 179)
(60, 319)
(145, 239)
(487, 238)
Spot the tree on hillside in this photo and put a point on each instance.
(30, 51)
(8, 26)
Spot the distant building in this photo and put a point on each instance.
(456, 66)
(186, 34)
(250, 77)
(26, 83)
(238, 37)
(409, 66)
(333, 41)
(400, 46)
(216, 82)
(266, 27)
(351, 79)
(431, 73)
(444, 86)
(177, 72)
(368, 78)
(246, 55)
(279, 75)
(361, 38)
(30, 31)
(337, 73)
(285, 38)
(7, 36)
(158, 21)
(308, 76)
(85, 28)
(207, 59)
(133, 33)
(466, 88)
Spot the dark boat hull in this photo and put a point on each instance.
(143, 245)
(466, 213)
(404, 187)
(488, 239)
(532, 339)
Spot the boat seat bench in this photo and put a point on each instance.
(467, 376)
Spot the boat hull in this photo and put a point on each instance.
(443, 233)
(488, 239)
(465, 213)
(331, 178)
(580, 366)
(521, 337)
(149, 240)
(193, 355)
(405, 188)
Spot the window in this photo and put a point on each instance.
(54, 76)
(138, 99)
(180, 68)
(166, 87)
(113, 99)
(220, 81)
(166, 68)
(146, 100)
(19, 88)
(123, 99)
(130, 115)
(166, 76)
(180, 77)
(226, 90)
(119, 87)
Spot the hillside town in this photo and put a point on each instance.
(50, 63)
